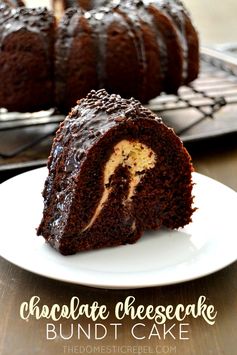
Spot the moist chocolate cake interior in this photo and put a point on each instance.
(115, 170)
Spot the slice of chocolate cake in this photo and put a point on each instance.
(115, 170)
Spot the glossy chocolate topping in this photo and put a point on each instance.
(140, 19)
(87, 123)
(108, 156)
(91, 119)
(35, 20)
(178, 13)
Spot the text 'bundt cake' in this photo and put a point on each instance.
(115, 170)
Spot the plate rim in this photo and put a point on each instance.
(112, 285)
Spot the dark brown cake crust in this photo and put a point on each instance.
(83, 147)
(26, 59)
(128, 47)
(187, 34)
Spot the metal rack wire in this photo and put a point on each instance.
(204, 100)
(205, 108)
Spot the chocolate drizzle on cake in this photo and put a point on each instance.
(134, 48)
(26, 59)
(98, 112)
(36, 20)
(115, 170)
(131, 47)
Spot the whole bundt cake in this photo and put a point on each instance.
(131, 47)
(115, 170)
(134, 48)
(26, 59)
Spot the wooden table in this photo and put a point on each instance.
(217, 159)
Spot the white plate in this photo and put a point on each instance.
(164, 257)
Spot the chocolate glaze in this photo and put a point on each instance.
(128, 11)
(95, 115)
(178, 13)
(145, 16)
(27, 34)
(173, 8)
(75, 184)
(179, 16)
(141, 20)
(37, 20)
(99, 21)
(65, 35)
(87, 123)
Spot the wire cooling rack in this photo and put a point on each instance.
(205, 108)
(208, 106)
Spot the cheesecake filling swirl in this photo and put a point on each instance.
(134, 155)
